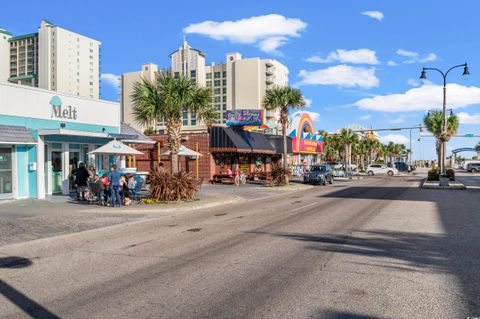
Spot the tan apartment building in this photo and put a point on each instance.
(239, 83)
(4, 54)
(55, 59)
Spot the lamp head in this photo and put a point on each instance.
(424, 74)
(465, 70)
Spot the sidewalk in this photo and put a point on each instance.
(24, 220)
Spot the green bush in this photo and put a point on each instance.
(450, 173)
(433, 175)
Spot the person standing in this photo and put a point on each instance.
(115, 177)
(81, 179)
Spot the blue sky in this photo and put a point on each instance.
(355, 61)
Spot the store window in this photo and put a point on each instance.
(6, 186)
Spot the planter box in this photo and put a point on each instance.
(444, 181)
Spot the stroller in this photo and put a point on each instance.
(97, 189)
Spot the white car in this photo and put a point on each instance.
(379, 169)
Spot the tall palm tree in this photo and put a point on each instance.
(283, 99)
(434, 123)
(166, 98)
(477, 147)
(347, 137)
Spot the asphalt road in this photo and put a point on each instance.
(374, 248)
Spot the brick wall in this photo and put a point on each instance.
(206, 164)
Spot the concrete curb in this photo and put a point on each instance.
(456, 185)
(162, 208)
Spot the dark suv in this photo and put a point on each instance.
(319, 174)
(402, 167)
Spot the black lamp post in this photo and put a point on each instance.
(423, 76)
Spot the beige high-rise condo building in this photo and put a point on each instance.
(54, 59)
(239, 83)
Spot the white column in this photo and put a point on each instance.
(123, 162)
(65, 169)
(40, 168)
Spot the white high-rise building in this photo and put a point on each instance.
(149, 72)
(4, 54)
(56, 59)
(237, 84)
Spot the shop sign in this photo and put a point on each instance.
(244, 117)
(62, 112)
(303, 145)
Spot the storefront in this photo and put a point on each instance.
(237, 150)
(44, 136)
(307, 145)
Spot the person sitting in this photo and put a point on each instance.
(106, 188)
(81, 178)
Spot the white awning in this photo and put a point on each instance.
(184, 151)
(116, 148)
(62, 131)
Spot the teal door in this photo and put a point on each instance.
(6, 182)
(57, 172)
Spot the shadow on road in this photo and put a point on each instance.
(28, 306)
(333, 314)
(456, 251)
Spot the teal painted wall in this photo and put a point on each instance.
(22, 171)
(37, 124)
(32, 175)
(76, 139)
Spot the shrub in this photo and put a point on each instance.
(450, 173)
(279, 174)
(173, 187)
(433, 174)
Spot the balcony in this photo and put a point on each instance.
(269, 80)
(268, 63)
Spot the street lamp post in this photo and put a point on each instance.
(423, 76)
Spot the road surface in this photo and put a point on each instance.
(373, 248)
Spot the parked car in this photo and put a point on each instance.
(402, 167)
(467, 166)
(379, 169)
(473, 167)
(336, 165)
(319, 174)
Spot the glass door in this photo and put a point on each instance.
(72, 167)
(6, 183)
(56, 172)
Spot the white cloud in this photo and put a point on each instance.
(392, 63)
(314, 115)
(422, 98)
(415, 57)
(406, 53)
(397, 120)
(395, 138)
(340, 75)
(366, 117)
(268, 32)
(359, 56)
(374, 15)
(111, 79)
(308, 102)
(466, 118)
(413, 82)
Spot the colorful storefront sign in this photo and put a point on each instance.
(244, 117)
(304, 138)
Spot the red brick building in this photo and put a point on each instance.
(150, 159)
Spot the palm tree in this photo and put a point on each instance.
(283, 99)
(434, 123)
(477, 148)
(347, 138)
(166, 98)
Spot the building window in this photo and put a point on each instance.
(217, 107)
(224, 74)
(224, 106)
(224, 82)
(184, 117)
(217, 99)
(209, 83)
(193, 73)
(193, 118)
(217, 83)
(209, 75)
(224, 98)
(177, 74)
(217, 91)
(217, 75)
(224, 90)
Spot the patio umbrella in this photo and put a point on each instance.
(116, 148)
(184, 151)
